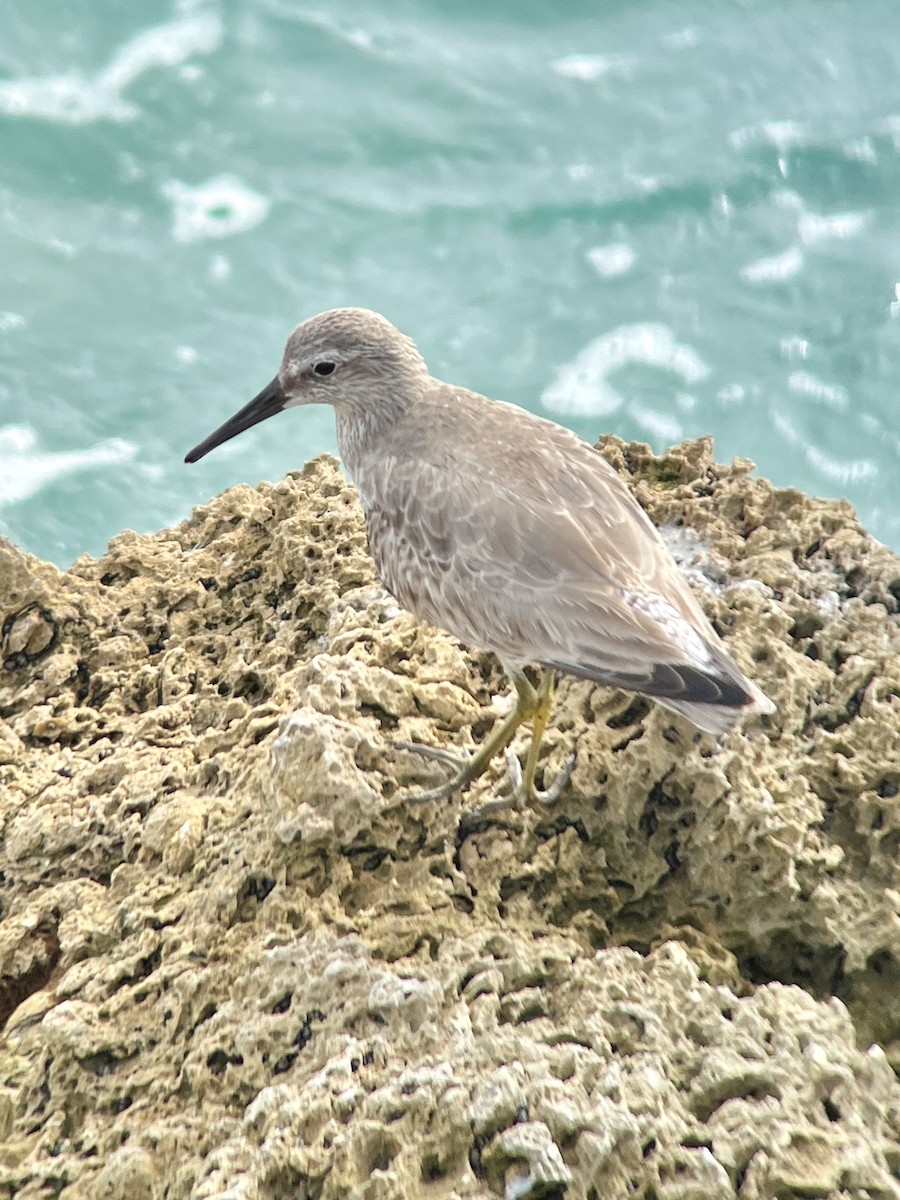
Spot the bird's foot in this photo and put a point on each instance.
(513, 794)
(460, 780)
(466, 771)
(439, 755)
(510, 795)
(559, 784)
(521, 793)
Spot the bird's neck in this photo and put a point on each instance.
(358, 434)
(363, 426)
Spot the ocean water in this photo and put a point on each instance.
(656, 219)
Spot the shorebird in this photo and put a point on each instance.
(508, 531)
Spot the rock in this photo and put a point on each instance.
(235, 962)
(318, 788)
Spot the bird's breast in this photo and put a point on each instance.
(397, 560)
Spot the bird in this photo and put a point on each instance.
(508, 531)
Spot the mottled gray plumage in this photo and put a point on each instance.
(501, 527)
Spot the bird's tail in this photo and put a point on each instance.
(719, 718)
(714, 696)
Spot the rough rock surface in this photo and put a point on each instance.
(235, 962)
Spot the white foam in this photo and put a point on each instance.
(219, 267)
(891, 126)
(657, 424)
(815, 227)
(870, 423)
(24, 471)
(152, 471)
(161, 46)
(853, 471)
(682, 39)
(360, 38)
(613, 259)
(63, 99)
(788, 200)
(805, 384)
(774, 269)
(731, 393)
(581, 387)
(794, 347)
(58, 246)
(782, 135)
(861, 150)
(16, 439)
(590, 66)
(841, 472)
(217, 208)
(76, 99)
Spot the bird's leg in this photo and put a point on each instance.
(543, 704)
(523, 788)
(532, 703)
(527, 702)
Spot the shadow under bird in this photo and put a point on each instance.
(508, 531)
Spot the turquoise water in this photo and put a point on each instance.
(657, 219)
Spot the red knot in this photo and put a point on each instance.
(508, 531)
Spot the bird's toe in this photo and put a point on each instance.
(556, 789)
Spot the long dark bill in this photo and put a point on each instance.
(271, 400)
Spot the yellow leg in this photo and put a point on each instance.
(532, 704)
(543, 706)
(528, 700)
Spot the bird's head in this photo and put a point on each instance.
(350, 358)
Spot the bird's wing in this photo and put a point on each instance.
(540, 552)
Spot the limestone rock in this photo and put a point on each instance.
(235, 962)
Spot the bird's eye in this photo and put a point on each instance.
(323, 368)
